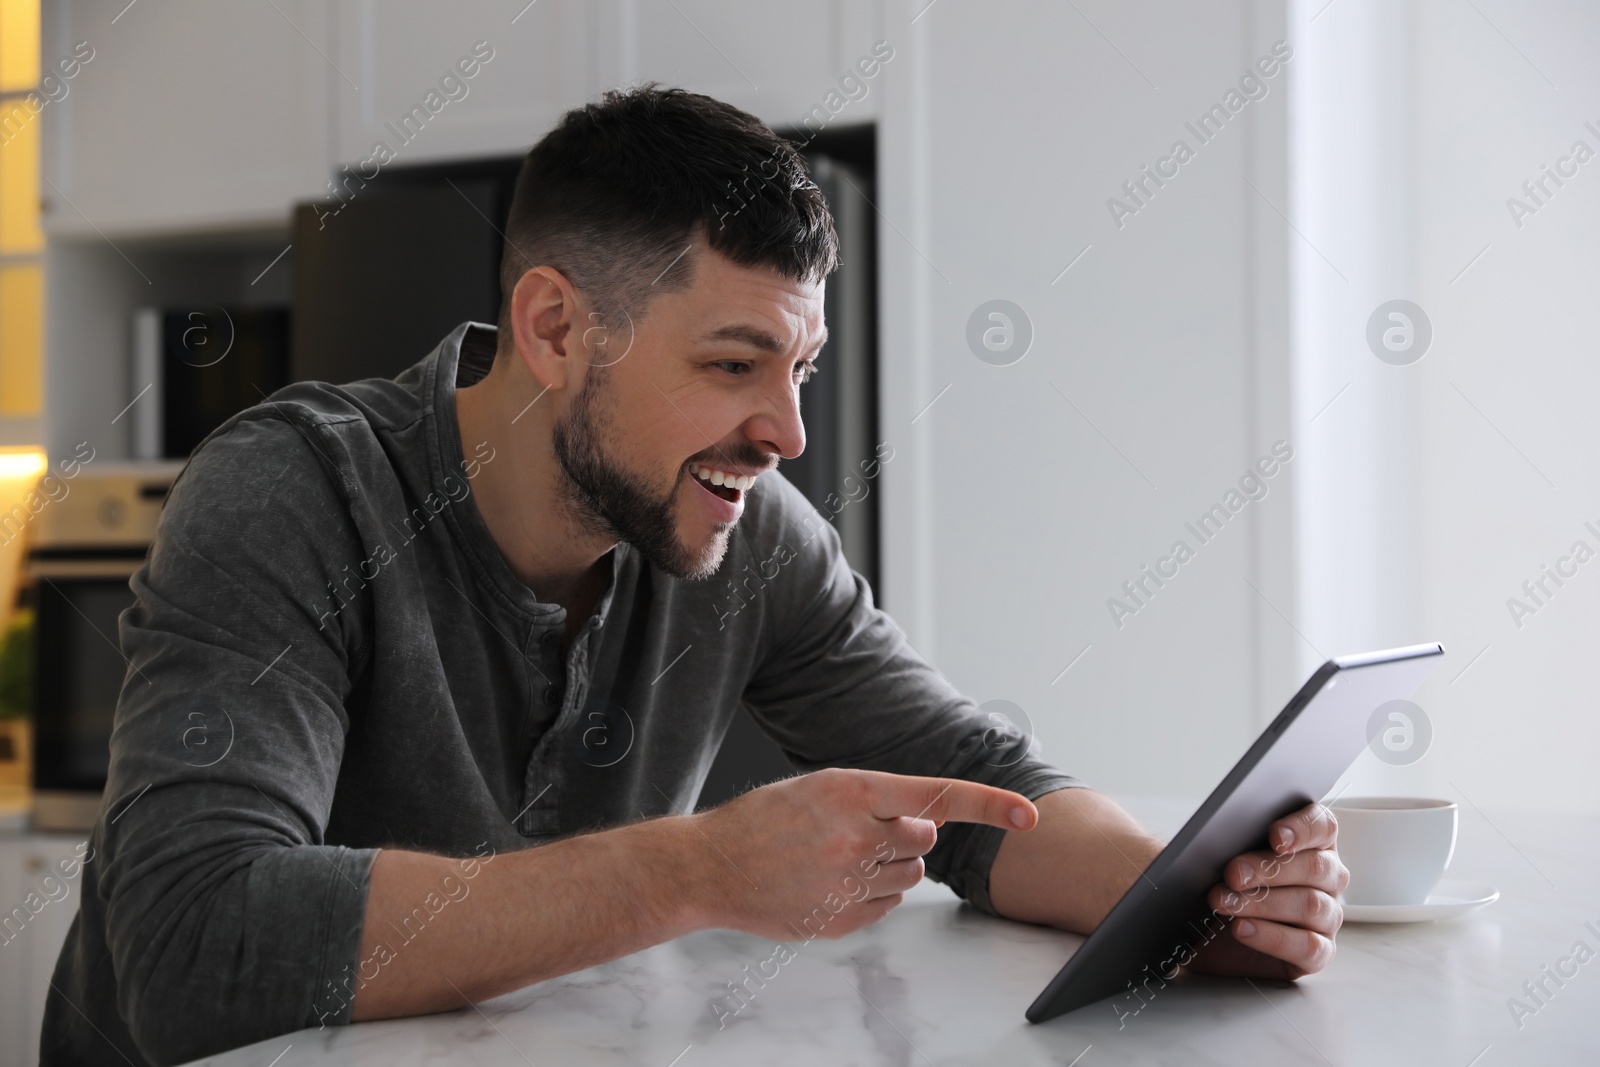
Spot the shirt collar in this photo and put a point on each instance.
(467, 352)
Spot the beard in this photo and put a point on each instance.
(611, 501)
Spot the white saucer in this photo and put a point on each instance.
(1448, 900)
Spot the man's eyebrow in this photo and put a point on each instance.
(758, 338)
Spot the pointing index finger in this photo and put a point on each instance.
(949, 800)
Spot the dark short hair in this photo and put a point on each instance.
(615, 193)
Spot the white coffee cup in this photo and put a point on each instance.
(1395, 847)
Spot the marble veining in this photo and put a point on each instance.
(940, 985)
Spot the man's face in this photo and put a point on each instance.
(708, 392)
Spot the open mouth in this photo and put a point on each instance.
(730, 487)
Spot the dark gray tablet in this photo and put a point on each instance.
(1164, 918)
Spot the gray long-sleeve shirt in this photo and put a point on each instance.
(328, 655)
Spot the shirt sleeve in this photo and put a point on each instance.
(838, 685)
(227, 915)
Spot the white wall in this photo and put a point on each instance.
(1011, 516)
(1421, 496)
(1227, 314)
(1435, 490)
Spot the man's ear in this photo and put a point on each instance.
(545, 313)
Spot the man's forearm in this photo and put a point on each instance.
(1071, 869)
(527, 916)
(768, 863)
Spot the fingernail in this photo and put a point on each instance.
(1247, 877)
(1287, 838)
(1245, 927)
(1019, 818)
(1230, 900)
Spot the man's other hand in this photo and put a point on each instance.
(825, 854)
(1284, 902)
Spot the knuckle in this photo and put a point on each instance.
(906, 874)
(844, 849)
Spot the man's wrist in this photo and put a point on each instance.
(1073, 868)
(681, 881)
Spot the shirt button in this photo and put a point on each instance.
(552, 696)
(550, 641)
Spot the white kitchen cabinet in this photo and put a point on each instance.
(29, 947)
(190, 114)
(778, 59)
(448, 81)
(13, 966)
(193, 115)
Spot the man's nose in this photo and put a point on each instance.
(778, 427)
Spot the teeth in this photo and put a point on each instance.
(716, 477)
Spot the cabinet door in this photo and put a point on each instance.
(188, 114)
(38, 903)
(777, 59)
(13, 966)
(411, 92)
(44, 859)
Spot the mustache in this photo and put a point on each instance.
(743, 454)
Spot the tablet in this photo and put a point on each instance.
(1164, 918)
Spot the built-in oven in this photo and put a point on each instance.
(86, 544)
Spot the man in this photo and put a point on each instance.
(393, 633)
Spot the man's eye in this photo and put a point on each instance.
(804, 371)
(732, 366)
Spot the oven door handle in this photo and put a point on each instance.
(83, 568)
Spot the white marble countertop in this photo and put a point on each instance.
(937, 983)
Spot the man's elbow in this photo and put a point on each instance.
(193, 984)
(174, 1025)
